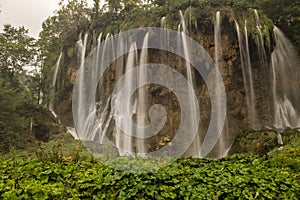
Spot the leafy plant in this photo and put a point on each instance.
(234, 177)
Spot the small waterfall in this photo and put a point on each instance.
(119, 71)
(52, 92)
(104, 115)
(98, 50)
(285, 85)
(261, 46)
(142, 97)
(123, 141)
(78, 49)
(217, 37)
(258, 26)
(84, 113)
(263, 72)
(163, 22)
(247, 76)
(72, 131)
(182, 23)
(164, 40)
(195, 148)
(223, 145)
(252, 106)
(119, 68)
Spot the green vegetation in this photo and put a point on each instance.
(39, 161)
(235, 177)
(264, 142)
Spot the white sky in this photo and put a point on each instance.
(28, 13)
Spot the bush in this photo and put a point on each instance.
(235, 177)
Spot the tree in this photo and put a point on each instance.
(66, 21)
(59, 32)
(17, 50)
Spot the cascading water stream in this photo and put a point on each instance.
(51, 104)
(163, 22)
(124, 142)
(258, 25)
(98, 51)
(104, 116)
(83, 114)
(119, 71)
(142, 102)
(261, 45)
(263, 73)
(131, 62)
(252, 106)
(285, 64)
(223, 143)
(195, 149)
(247, 75)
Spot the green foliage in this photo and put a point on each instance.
(20, 89)
(286, 15)
(264, 142)
(22, 121)
(17, 50)
(71, 17)
(235, 177)
(12, 123)
(260, 142)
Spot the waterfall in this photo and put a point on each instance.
(142, 101)
(223, 145)
(195, 148)
(124, 142)
(280, 80)
(285, 85)
(83, 113)
(182, 23)
(98, 51)
(263, 74)
(138, 107)
(163, 22)
(104, 116)
(119, 71)
(247, 75)
(258, 26)
(260, 44)
(164, 40)
(252, 101)
(217, 37)
(52, 92)
(78, 49)
(72, 131)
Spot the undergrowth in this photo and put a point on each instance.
(75, 177)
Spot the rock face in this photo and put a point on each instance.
(45, 125)
(230, 67)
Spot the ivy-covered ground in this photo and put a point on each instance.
(54, 176)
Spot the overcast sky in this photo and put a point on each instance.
(28, 13)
